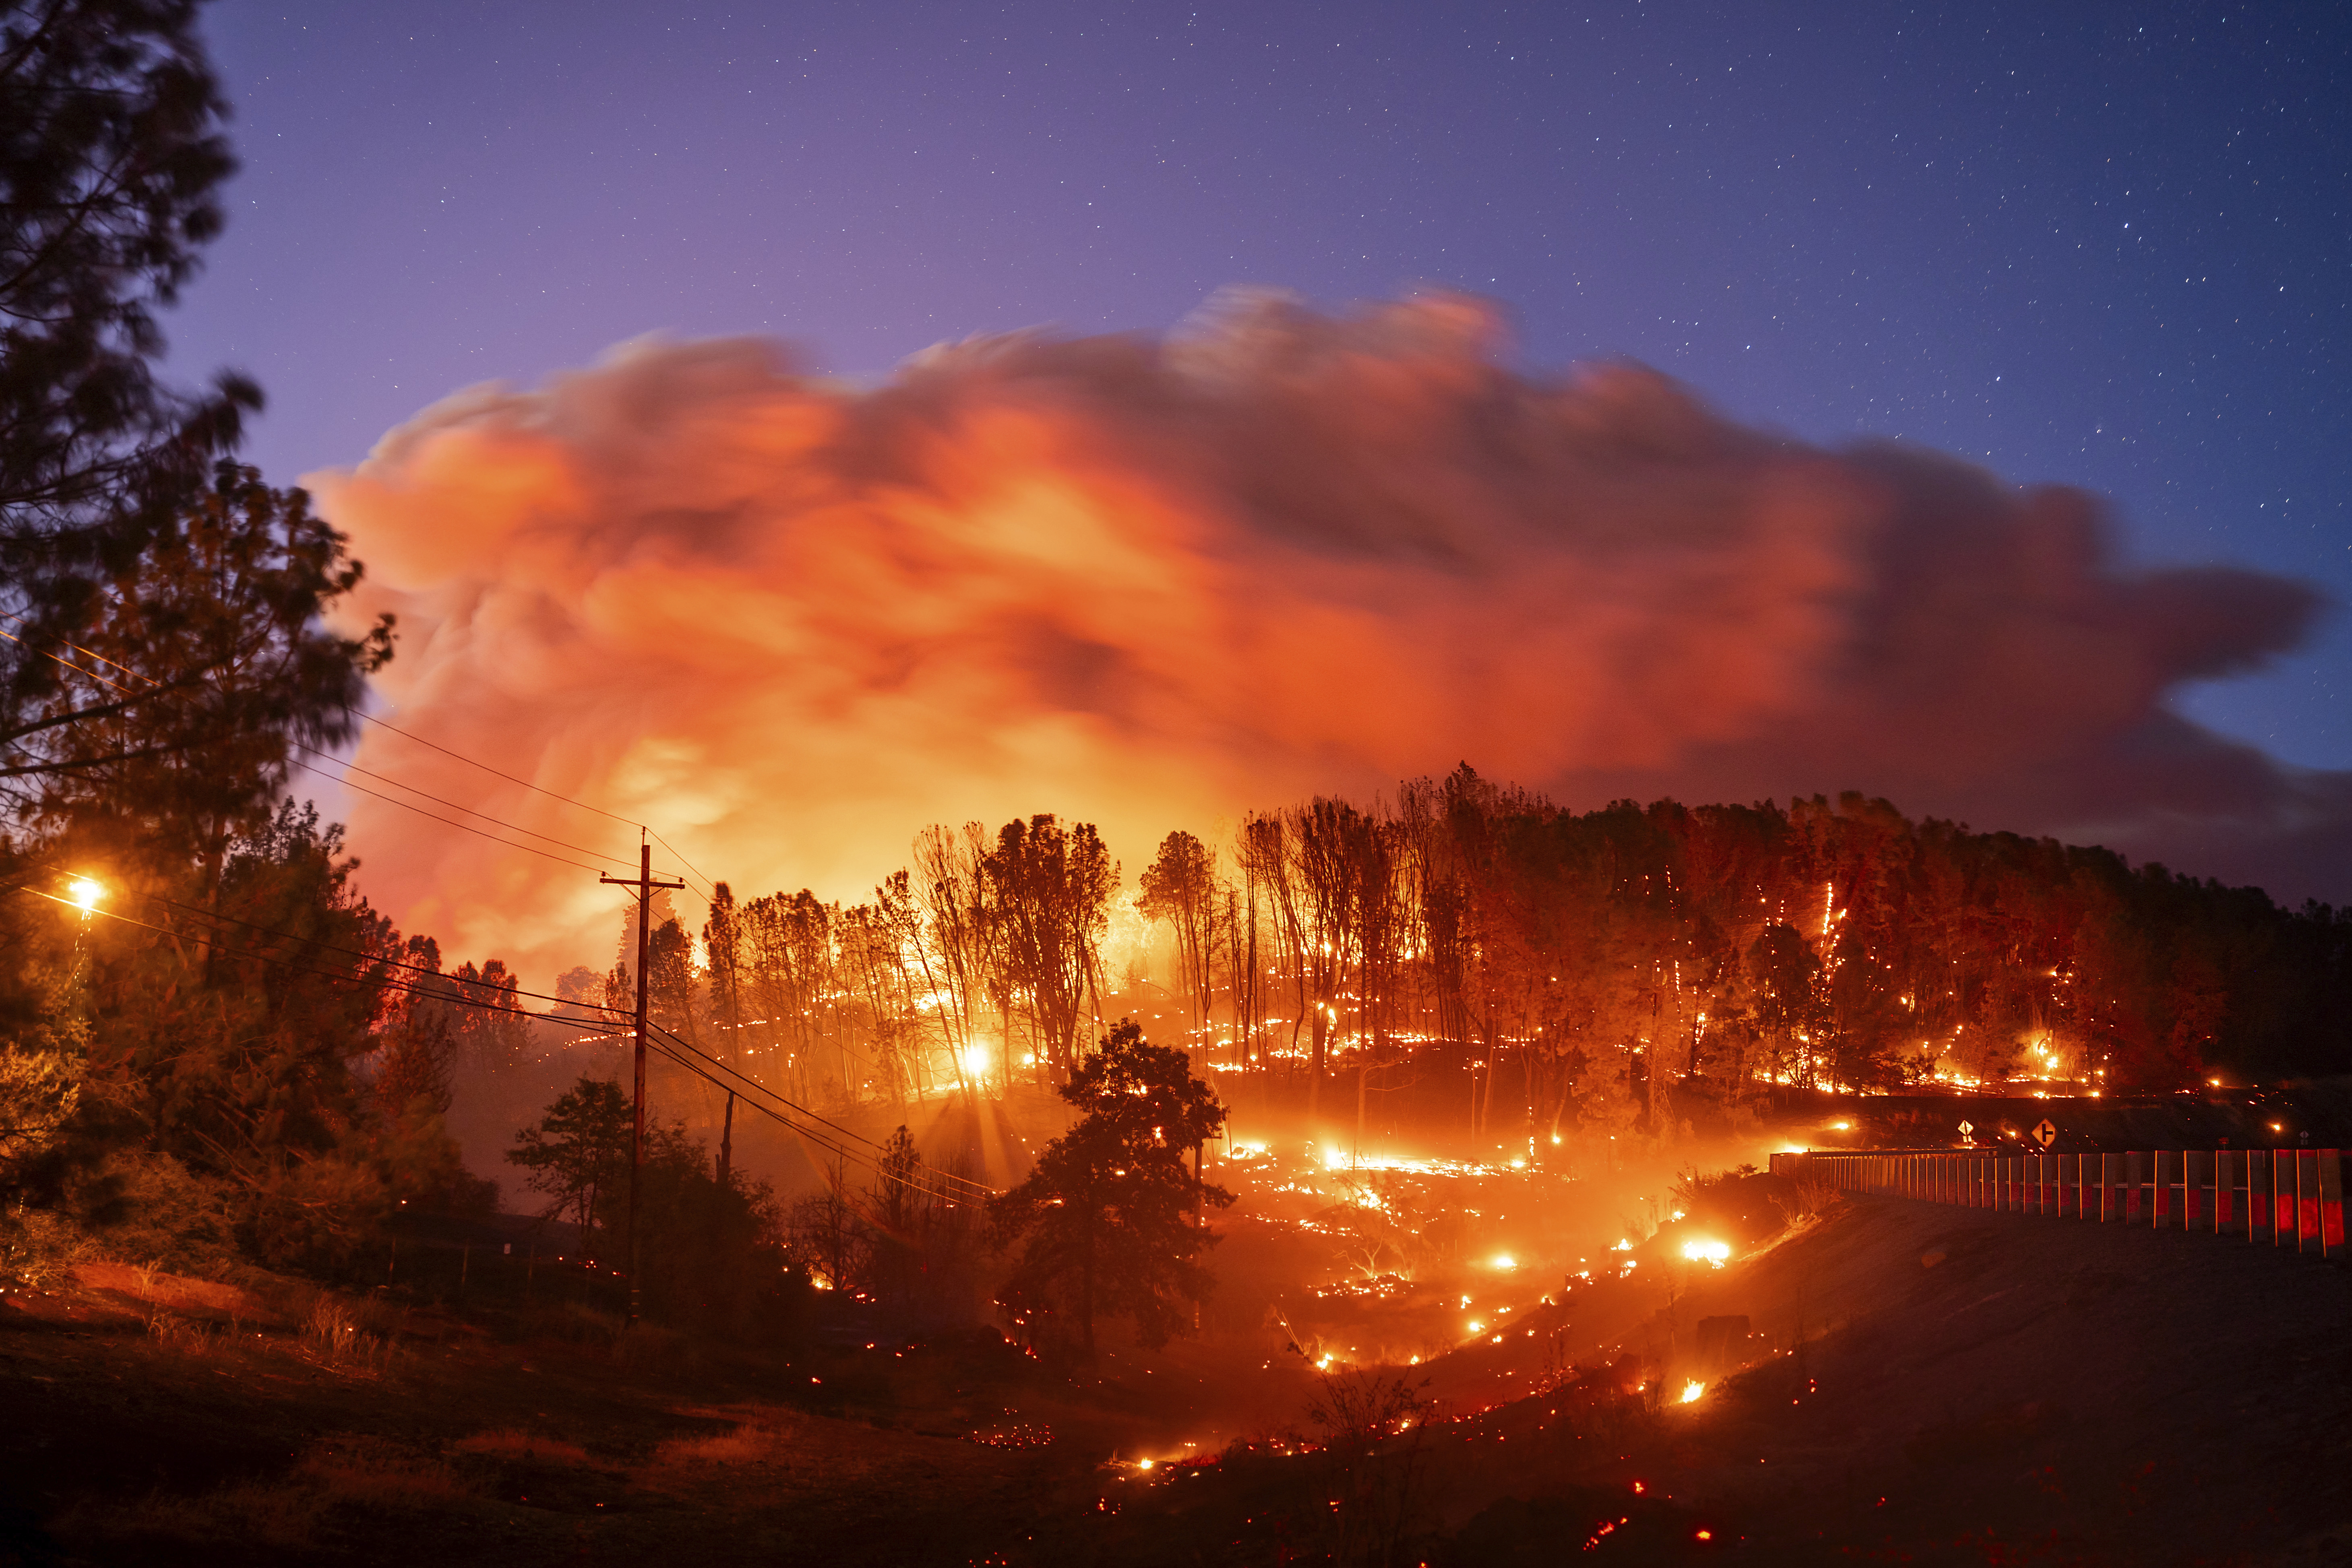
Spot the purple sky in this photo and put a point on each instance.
(2101, 245)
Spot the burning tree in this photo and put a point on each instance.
(1180, 886)
(1109, 1221)
(1048, 890)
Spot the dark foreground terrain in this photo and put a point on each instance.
(1922, 1385)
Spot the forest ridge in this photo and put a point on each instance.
(1824, 944)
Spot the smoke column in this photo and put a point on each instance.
(1153, 582)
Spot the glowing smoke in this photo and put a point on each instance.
(1153, 582)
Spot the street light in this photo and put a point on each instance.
(85, 893)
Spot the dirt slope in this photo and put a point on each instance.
(1938, 1384)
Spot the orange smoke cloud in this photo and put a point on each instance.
(1153, 582)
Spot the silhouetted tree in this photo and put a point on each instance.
(1179, 888)
(1106, 1220)
(1049, 894)
(578, 1153)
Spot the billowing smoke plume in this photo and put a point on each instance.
(1155, 582)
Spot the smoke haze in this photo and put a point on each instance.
(1153, 582)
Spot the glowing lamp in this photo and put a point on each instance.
(85, 893)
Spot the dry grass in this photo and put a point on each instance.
(178, 1336)
(1805, 1201)
(264, 1514)
(358, 1471)
(514, 1443)
(743, 1446)
(285, 1514)
(350, 1338)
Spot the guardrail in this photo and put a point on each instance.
(2288, 1197)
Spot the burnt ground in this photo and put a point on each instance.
(1924, 1384)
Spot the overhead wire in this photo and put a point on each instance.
(541, 789)
(462, 828)
(669, 1042)
(674, 1045)
(469, 811)
(676, 1042)
(952, 1188)
(390, 800)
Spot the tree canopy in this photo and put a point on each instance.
(1106, 1220)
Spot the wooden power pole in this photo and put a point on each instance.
(645, 885)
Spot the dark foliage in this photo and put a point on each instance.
(1108, 1222)
(111, 158)
(710, 1250)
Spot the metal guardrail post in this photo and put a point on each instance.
(2293, 1196)
(2306, 1200)
(2331, 1202)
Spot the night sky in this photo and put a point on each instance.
(2104, 245)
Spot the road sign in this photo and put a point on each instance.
(1967, 1128)
(2045, 1134)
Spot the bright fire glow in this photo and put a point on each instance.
(1691, 1390)
(1505, 1260)
(975, 1061)
(1714, 1252)
(85, 893)
(1146, 1464)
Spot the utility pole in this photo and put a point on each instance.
(644, 884)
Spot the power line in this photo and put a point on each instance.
(540, 995)
(444, 822)
(353, 767)
(972, 1190)
(675, 1042)
(469, 811)
(348, 952)
(541, 789)
(706, 882)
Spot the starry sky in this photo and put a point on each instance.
(2099, 245)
